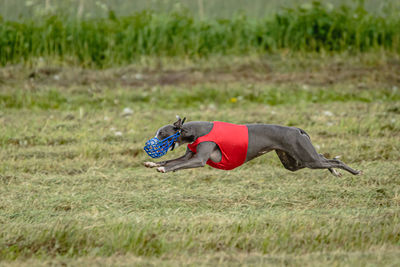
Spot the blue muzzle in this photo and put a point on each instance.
(156, 148)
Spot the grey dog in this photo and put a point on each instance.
(292, 145)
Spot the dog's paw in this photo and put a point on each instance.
(161, 169)
(336, 173)
(149, 164)
(360, 172)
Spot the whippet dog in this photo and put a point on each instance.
(226, 146)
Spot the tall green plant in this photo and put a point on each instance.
(119, 40)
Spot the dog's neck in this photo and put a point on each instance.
(194, 129)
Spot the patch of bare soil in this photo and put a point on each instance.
(387, 74)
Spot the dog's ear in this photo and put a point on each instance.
(178, 124)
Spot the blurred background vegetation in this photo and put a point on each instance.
(20, 9)
(109, 33)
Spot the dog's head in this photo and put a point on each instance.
(165, 139)
(170, 129)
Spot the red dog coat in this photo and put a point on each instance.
(232, 140)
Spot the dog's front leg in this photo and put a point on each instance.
(194, 162)
(187, 155)
(199, 159)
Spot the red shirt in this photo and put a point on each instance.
(232, 140)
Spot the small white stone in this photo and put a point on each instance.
(127, 112)
(118, 133)
(212, 106)
(328, 113)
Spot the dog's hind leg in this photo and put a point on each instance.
(293, 165)
(304, 152)
(335, 172)
(288, 161)
(329, 164)
(339, 164)
(331, 170)
(321, 162)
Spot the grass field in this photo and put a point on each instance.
(73, 190)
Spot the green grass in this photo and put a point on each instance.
(172, 97)
(119, 40)
(73, 192)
